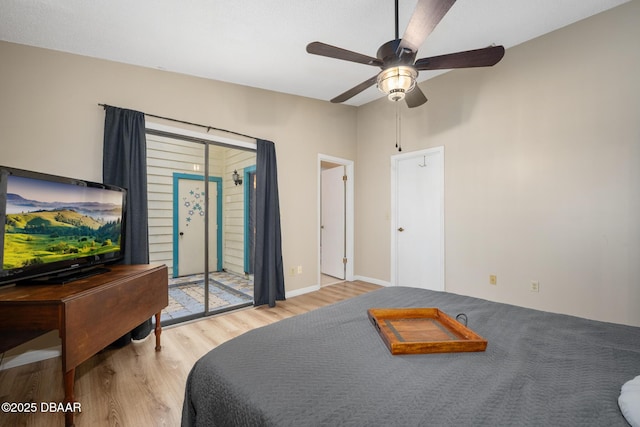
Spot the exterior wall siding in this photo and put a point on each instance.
(166, 156)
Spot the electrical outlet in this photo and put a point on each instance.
(292, 271)
(535, 286)
(493, 279)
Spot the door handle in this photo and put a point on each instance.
(401, 229)
(181, 233)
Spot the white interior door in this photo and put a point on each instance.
(332, 229)
(191, 211)
(418, 226)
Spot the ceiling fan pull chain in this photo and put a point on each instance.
(398, 130)
(396, 126)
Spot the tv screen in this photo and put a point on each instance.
(57, 228)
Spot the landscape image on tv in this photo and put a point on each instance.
(52, 221)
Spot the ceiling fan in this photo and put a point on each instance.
(396, 58)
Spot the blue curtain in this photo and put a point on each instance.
(125, 164)
(268, 283)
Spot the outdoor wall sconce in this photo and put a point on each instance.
(236, 178)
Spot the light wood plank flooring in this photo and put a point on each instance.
(137, 386)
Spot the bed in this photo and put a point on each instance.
(330, 367)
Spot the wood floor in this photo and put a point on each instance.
(137, 386)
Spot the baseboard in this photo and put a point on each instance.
(31, 356)
(372, 280)
(301, 291)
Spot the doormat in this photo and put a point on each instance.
(186, 294)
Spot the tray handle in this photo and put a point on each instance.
(462, 318)
(374, 322)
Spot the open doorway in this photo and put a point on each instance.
(335, 220)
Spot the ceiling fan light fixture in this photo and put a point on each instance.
(397, 81)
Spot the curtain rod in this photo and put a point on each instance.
(208, 128)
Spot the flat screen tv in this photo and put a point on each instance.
(57, 229)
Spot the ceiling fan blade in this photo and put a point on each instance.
(323, 49)
(471, 58)
(415, 98)
(427, 14)
(355, 90)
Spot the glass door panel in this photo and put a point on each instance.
(197, 225)
(177, 212)
(231, 286)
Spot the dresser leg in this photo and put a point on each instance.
(158, 331)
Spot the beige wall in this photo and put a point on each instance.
(542, 172)
(51, 122)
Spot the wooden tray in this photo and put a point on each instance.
(423, 330)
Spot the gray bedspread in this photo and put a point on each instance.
(329, 367)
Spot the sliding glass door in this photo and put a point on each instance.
(196, 218)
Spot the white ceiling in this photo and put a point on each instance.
(262, 43)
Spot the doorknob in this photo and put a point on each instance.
(181, 233)
(401, 229)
